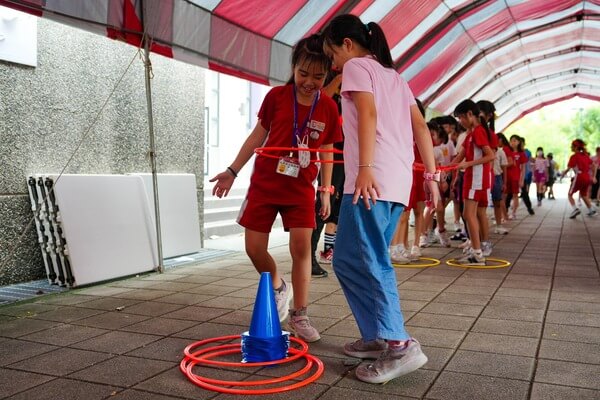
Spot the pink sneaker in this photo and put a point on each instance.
(300, 326)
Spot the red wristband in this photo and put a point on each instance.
(435, 176)
(330, 189)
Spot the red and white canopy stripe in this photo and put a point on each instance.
(519, 54)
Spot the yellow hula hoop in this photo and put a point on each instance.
(502, 264)
(433, 263)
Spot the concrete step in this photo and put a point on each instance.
(221, 213)
(226, 202)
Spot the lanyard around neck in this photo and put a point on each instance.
(298, 132)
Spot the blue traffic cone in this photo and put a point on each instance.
(265, 341)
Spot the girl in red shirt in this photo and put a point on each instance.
(581, 163)
(294, 115)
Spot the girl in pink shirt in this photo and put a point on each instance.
(379, 117)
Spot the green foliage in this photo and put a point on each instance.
(554, 129)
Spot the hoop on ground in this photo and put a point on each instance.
(269, 153)
(501, 264)
(204, 356)
(432, 263)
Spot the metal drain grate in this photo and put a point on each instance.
(27, 290)
(203, 255)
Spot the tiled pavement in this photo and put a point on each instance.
(531, 331)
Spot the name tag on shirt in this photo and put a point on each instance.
(289, 167)
(317, 125)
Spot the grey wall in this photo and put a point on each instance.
(45, 112)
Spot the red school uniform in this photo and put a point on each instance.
(477, 179)
(276, 116)
(581, 164)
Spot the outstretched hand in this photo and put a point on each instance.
(223, 185)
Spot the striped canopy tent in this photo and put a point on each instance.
(519, 54)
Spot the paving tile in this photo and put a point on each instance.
(122, 371)
(333, 312)
(524, 314)
(437, 357)
(13, 381)
(165, 349)
(576, 296)
(16, 350)
(15, 327)
(101, 291)
(527, 293)
(229, 302)
(213, 290)
(132, 394)
(144, 294)
(463, 298)
(64, 335)
(573, 318)
(111, 320)
(460, 386)
(500, 344)
(570, 351)
(572, 333)
(568, 374)
(464, 310)
(68, 314)
(506, 327)
(160, 326)
(336, 393)
(152, 308)
(185, 298)
(496, 365)
(453, 322)
(210, 330)
(574, 306)
(197, 313)
(67, 389)
(482, 290)
(198, 279)
(27, 310)
(414, 384)
(67, 299)
(542, 391)
(182, 284)
(116, 342)
(107, 303)
(436, 337)
(346, 328)
(61, 361)
(516, 302)
(417, 295)
(173, 382)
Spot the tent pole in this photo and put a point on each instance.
(147, 68)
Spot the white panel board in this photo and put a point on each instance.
(178, 203)
(107, 225)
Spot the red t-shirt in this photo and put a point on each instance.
(582, 165)
(276, 115)
(478, 176)
(519, 158)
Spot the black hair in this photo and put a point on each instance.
(539, 149)
(469, 105)
(520, 144)
(309, 50)
(370, 36)
(434, 125)
(502, 139)
(487, 107)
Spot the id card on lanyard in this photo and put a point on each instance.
(287, 165)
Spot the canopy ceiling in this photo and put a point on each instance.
(519, 54)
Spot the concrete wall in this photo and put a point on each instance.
(46, 111)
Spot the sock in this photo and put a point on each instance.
(478, 252)
(329, 241)
(397, 344)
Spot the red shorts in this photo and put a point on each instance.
(259, 215)
(480, 196)
(579, 184)
(417, 192)
(512, 186)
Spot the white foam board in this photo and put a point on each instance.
(178, 204)
(107, 225)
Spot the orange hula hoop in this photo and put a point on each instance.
(267, 152)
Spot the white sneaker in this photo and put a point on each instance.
(592, 212)
(465, 245)
(472, 258)
(423, 242)
(415, 253)
(400, 256)
(393, 364)
(486, 248)
(283, 299)
(500, 231)
(575, 213)
(442, 238)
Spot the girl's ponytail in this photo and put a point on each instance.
(378, 45)
(370, 36)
